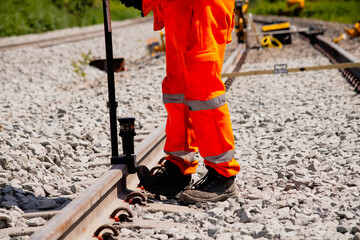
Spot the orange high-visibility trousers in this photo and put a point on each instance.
(196, 32)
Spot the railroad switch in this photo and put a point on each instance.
(127, 133)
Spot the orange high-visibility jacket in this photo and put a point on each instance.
(196, 32)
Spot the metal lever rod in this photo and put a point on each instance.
(112, 104)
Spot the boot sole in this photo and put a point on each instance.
(160, 191)
(186, 198)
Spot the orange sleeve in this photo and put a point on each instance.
(155, 6)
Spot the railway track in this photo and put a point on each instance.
(111, 190)
(48, 39)
(335, 54)
(92, 209)
(149, 145)
(146, 140)
(108, 193)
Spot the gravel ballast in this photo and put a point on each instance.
(297, 139)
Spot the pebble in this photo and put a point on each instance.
(4, 236)
(5, 217)
(147, 232)
(355, 229)
(345, 214)
(35, 222)
(47, 204)
(161, 236)
(357, 236)
(243, 214)
(2, 224)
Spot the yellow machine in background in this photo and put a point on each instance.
(298, 6)
(294, 2)
(154, 46)
(353, 32)
(241, 7)
(350, 32)
(276, 26)
(276, 39)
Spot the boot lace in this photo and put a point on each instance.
(205, 183)
(160, 170)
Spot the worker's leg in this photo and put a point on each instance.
(205, 91)
(180, 142)
(206, 99)
(180, 139)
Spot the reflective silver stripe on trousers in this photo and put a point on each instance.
(224, 157)
(173, 98)
(188, 156)
(196, 105)
(214, 103)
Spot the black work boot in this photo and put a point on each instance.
(167, 180)
(212, 187)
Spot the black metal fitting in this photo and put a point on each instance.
(122, 214)
(106, 235)
(136, 198)
(127, 133)
(113, 105)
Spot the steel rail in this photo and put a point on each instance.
(332, 51)
(234, 62)
(82, 217)
(337, 55)
(83, 34)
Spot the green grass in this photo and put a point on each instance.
(344, 11)
(20, 17)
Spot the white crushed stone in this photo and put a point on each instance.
(54, 123)
(297, 139)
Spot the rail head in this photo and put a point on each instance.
(337, 55)
(108, 184)
(75, 210)
(340, 54)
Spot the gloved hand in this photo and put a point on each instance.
(133, 3)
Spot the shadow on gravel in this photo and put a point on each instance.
(28, 201)
(154, 198)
